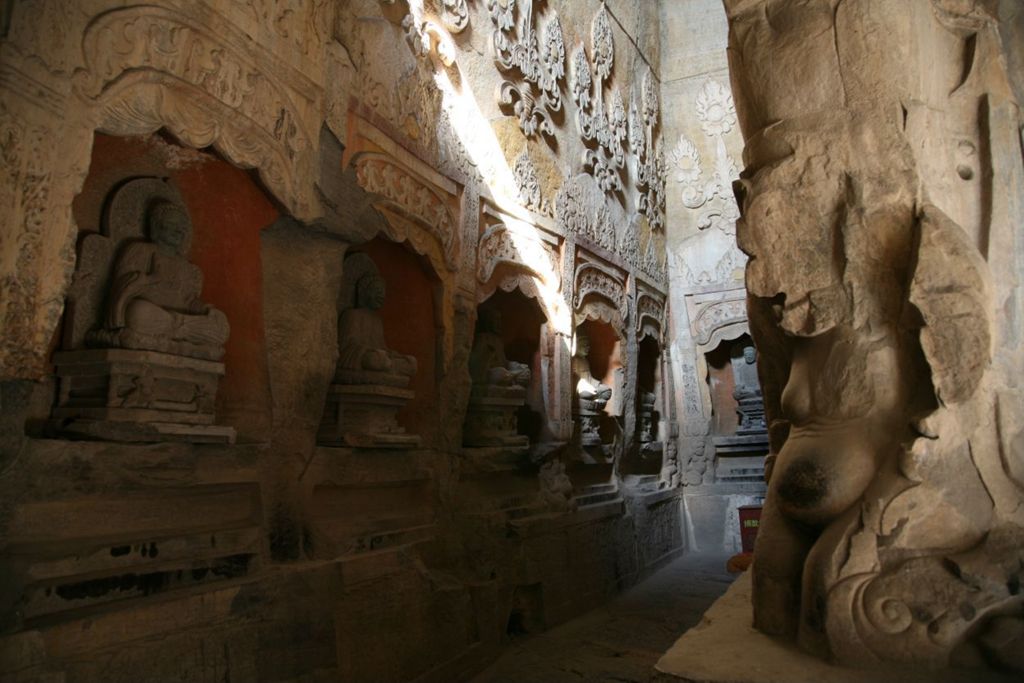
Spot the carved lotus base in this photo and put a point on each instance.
(491, 418)
(131, 395)
(365, 416)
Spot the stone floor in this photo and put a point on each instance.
(622, 640)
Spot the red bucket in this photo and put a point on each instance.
(750, 520)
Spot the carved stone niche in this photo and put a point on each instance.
(371, 381)
(141, 350)
(647, 403)
(596, 375)
(737, 405)
(506, 403)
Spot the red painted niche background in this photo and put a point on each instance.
(228, 210)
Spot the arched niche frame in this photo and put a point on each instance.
(516, 255)
(600, 295)
(145, 68)
(420, 207)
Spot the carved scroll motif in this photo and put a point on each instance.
(600, 125)
(538, 56)
(412, 197)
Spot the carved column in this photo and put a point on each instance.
(881, 287)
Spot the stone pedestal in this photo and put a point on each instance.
(588, 421)
(132, 395)
(491, 417)
(365, 416)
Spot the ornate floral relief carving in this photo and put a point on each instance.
(603, 127)
(455, 15)
(650, 163)
(293, 21)
(717, 114)
(529, 185)
(582, 210)
(414, 198)
(538, 56)
(501, 244)
(715, 109)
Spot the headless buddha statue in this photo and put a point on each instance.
(488, 365)
(154, 299)
(364, 357)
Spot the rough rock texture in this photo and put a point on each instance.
(881, 206)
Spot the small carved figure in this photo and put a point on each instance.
(364, 357)
(488, 365)
(154, 299)
(749, 402)
(587, 386)
(370, 381)
(648, 426)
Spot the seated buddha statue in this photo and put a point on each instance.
(587, 386)
(154, 302)
(488, 365)
(364, 356)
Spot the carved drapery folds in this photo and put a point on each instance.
(149, 67)
(537, 54)
(601, 125)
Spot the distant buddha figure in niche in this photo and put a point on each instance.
(587, 386)
(745, 373)
(488, 365)
(154, 299)
(364, 356)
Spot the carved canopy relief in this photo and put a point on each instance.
(717, 315)
(402, 190)
(600, 292)
(501, 244)
(148, 67)
(650, 314)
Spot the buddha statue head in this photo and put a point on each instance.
(169, 227)
(370, 291)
